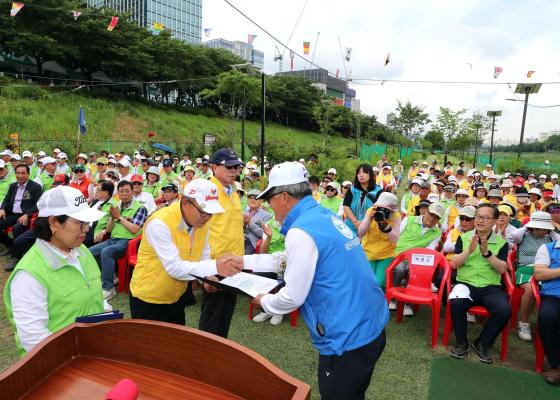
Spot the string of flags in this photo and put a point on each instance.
(207, 32)
(348, 53)
(497, 72)
(250, 38)
(306, 46)
(158, 27)
(387, 59)
(530, 73)
(113, 23)
(16, 7)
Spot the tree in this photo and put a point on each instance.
(327, 117)
(409, 120)
(234, 88)
(435, 139)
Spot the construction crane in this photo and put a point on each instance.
(315, 48)
(280, 56)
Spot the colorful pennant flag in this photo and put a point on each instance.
(337, 72)
(207, 32)
(76, 14)
(292, 55)
(250, 38)
(82, 122)
(530, 73)
(348, 54)
(306, 48)
(497, 72)
(15, 8)
(113, 23)
(158, 27)
(387, 59)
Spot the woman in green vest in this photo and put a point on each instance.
(152, 184)
(58, 279)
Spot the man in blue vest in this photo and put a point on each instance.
(329, 277)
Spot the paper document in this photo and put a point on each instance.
(251, 284)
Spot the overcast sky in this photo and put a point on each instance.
(427, 40)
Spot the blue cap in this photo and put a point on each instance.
(226, 157)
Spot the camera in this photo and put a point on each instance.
(381, 214)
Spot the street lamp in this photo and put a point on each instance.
(527, 89)
(493, 114)
(250, 70)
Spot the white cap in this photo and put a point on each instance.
(41, 153)
(433, 198)
(48, 160)
(198, 160)
(16, 157)
(2, 164)
(56, 150)
(287, 173)
(126, 157)
(6, 152)
(452, 179)
(27, 153)
(542, 176)
(206, 157)
(488, 165)
(540, 220)
(535, 191)
(254, 158)
(375, 169)
(484, 173)
(346, 183)
(417, 181)
(124, 162)
(468, 211)
(387, 200)
(554, 176)
(188, 162)
(301, 160)
(331, 171)
(206, 195)
(437, 209)
(461, 192)
(507, 174)
(82, 155)
(66, 200)
(111, 160)
(507, 183)
(62, 155)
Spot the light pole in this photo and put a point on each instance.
(493, 114)
(527, 89)
(477, 126)
(250, 70)
(263, 118)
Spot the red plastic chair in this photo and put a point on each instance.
(483, 312)
(539, 349)
(517, 290)
(127, 262)
(422, 264)
(9, 231)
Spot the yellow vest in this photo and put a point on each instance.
(453, 214)
(510, 198)
(412, 172)
(455, 233)
(226, 229)
(412, 205)
(376, 244)
(150, 282)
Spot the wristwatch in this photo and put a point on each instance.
(489, 254)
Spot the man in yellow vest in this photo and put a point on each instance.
(225, 238)
(174, 240)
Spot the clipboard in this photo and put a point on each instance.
(245, 284)
(104, 316)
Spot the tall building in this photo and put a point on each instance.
(240, 49)
(182, 17)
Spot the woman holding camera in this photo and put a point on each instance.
(379, 232)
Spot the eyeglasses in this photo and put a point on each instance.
(202, 213)
(79, 171)
(329, 189)
(433, 216)
(466, 219)
(100, 164)
(83, 225)
(484, 218)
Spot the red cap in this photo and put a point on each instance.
(548, 192)
(60, 178)
(136, 178)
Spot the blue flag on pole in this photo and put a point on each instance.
(82, 122)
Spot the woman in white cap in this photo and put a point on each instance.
(153, 185)
(379, 232)
(538, 231)
(58, 279)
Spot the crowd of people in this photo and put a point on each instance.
(216, 216)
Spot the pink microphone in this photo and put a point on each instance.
(126, 389)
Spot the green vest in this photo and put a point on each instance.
(46, 180)
(102, 222)
(411, 237)
(331, 203)
(447, 202)
(277, 242)
(153, 190)
(5, 185)
(476, 270)
(33, 171)
(169, 178)
(69, 293)
(119, 231)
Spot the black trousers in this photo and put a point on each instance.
(348, 376)
(23, 243)
(549, 328)
(216, 312)
(17, 228)
(495, 300)
(172, 313)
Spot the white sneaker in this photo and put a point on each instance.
(276, 319)
(261, 317)
(106, 306)
(435, 289)
(471, 318)
(407, 311)
(524, 331)
(109, 294)
(393, 305)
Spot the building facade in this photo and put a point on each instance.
(182, 17)
(240, 49)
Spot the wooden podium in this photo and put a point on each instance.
(166, 361)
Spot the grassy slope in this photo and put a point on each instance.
(56, 117)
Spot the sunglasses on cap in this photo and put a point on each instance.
(330, 189)
(79, 171)
(100, 164)
(465, 218)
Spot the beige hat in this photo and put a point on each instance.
(461, 192)
(387, 200)
(540, 220)
(467, 211)
(507, 183)
(437, 209)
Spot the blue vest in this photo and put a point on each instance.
(359, 209)
(345, 308)
(552, 287)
